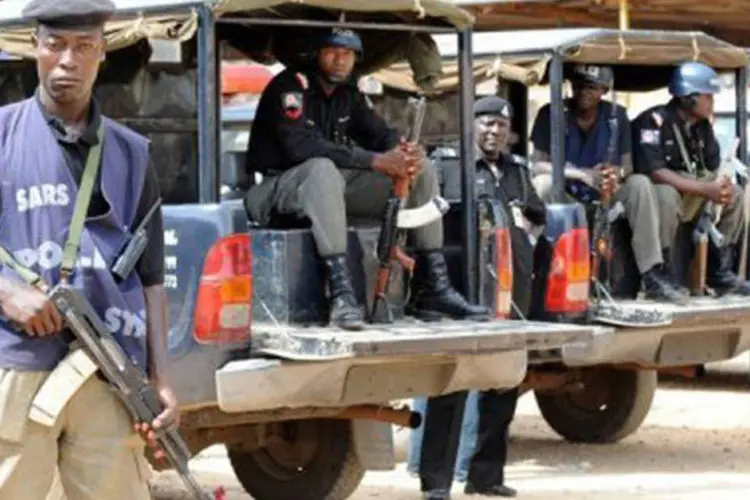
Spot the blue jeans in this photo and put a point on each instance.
(467, 442)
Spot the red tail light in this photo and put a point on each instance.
(224, 306)
(569, 273)
(504, 270)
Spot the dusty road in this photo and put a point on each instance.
(694, 445)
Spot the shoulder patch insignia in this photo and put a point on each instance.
(658, 119)
(292, 103)
(650, 136)
(302, 79)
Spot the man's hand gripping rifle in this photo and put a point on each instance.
(127, 380)
(396, 219)
(101, 349)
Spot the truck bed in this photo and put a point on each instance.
(323, 367)
(705, 330)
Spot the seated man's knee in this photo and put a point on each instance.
(639, 183)
(320, 171)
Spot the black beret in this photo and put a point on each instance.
(75, 14)
(493, 105)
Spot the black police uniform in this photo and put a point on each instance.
(296, 121)
(655, 145)
(508, 181)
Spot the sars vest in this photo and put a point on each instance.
(38, 195)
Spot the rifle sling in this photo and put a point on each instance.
(72, 243)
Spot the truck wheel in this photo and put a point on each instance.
(313, 459)
(611, 405)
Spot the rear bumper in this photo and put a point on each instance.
(705, 331)
(327, 368)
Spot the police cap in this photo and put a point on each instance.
(598, 75)
(493, 105)
(71, 14)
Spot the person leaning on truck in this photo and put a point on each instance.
(683, 186)
(325, 154)
(45, 141)
(587, 140)
(482, 449)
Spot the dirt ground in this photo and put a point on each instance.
(695, 444)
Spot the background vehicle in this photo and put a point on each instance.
(300, 406)
(602, 394)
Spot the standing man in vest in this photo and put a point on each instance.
(45, 143)
(685, 184)
(325, 155)
(482, 447)
(587, 138)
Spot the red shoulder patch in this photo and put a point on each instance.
(293, 104)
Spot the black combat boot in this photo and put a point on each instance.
(669, 273)
(434, 297)
(493, 491)
(721, 277)
(345, 312)
(657, 287)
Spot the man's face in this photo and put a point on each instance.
(587, 95)
(68, 62)
(492, 134)
(704, 106)
(336, 62)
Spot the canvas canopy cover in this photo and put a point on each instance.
(642, 59)
(177, 20)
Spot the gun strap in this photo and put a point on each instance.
(683, 150)
(70, 251)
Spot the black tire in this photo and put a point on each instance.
(611, 405)
(320, 463)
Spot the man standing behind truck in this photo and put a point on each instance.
(482, 448)
(686, 179)
(50, 146)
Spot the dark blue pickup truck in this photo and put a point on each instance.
(303, 409)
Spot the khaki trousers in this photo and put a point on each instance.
(92, 445)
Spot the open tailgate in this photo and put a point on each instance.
(325, 367)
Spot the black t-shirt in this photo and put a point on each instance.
(150, 267)
(656, 147)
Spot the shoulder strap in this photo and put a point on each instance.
(70, 252)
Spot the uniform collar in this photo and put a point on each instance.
(88, 137)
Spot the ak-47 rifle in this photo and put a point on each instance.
(391, 237)
(602, 231)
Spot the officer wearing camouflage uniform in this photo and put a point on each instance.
(682, 189)
(587, 138)
(325, 155)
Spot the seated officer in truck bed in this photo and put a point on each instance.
(682, 188)
(587, 139)
(325, 154)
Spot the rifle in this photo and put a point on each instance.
(602, 231)
(127, 380)
(391, 236)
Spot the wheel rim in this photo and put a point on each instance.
(294, 446)
(594, 398)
